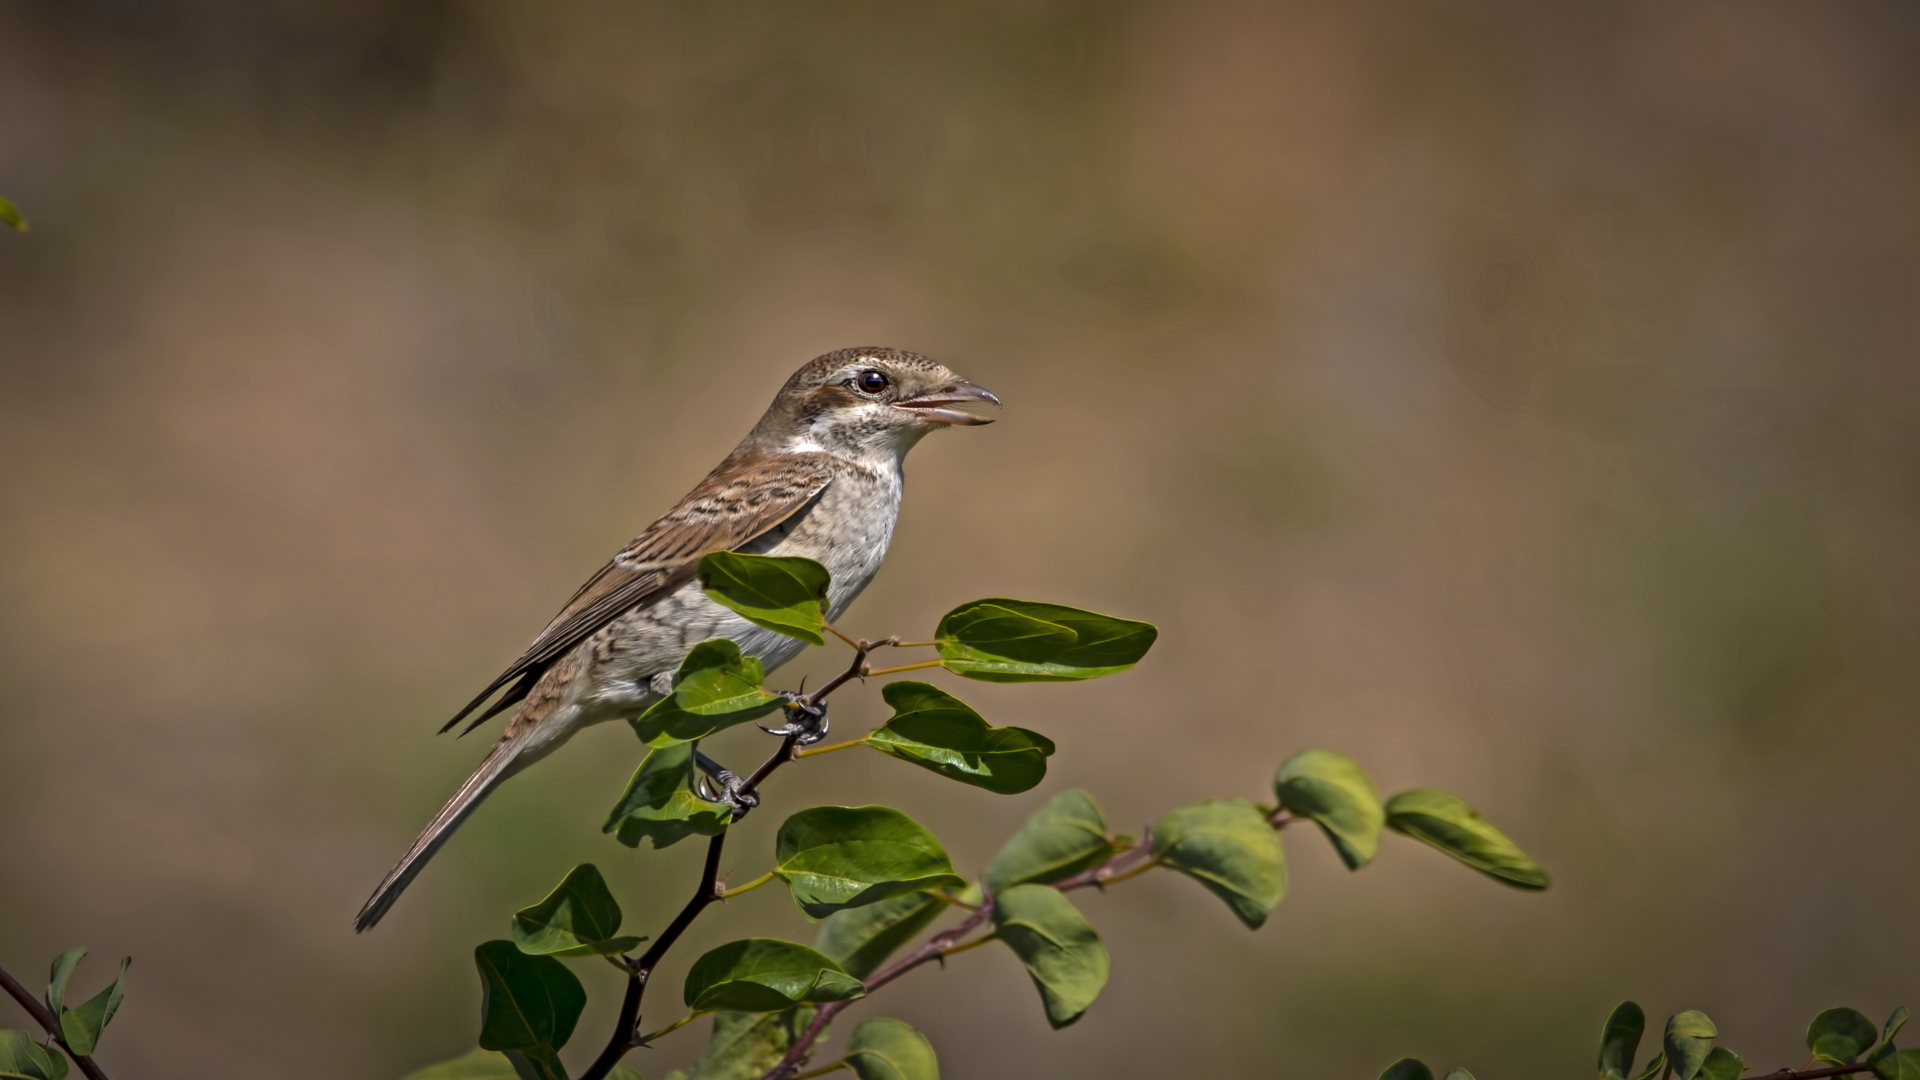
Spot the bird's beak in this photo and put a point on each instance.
(933, 406)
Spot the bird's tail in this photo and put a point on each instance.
(505, 759)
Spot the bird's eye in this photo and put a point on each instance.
(871, 382)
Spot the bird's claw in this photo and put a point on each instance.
(807, 722)
(712, 775)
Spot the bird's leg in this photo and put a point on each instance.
(805, 720)
(729, 793)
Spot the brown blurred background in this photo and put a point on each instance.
(1520, 397)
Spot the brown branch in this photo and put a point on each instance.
(1812, 1074)
(45, 1018)
(626, 1030)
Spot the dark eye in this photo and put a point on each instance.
(871, 382)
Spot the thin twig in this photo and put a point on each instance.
(1812, 1074)
(45, 1018)
(626, 1030)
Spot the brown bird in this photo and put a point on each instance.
(819, 476)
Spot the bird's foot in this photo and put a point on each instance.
(805, 721)
(721, 785)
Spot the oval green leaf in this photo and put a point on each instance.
(21, 1056)
(1062, 838)
(1443, 821)
(745, 1046)
(1337, 794)
(1654, 1067)
(714, 688)
(766, 975)
(1407, 1069)
(1457, 1073)
(784, 594)
(81, 1026)
(860, 939)
(935, 730)
(578, 918)
(660, 803)
(1227, 846)
(835, 857)
(1882, 1055)
(1004, 640)
(1688, 1041)
(1067, 961)
(1838, 1035)
(1620, 1040)
(1903, 1065)
(1722, 1064)
(887, 1049)
(527, 1002)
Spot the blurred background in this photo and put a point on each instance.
(1522, 398)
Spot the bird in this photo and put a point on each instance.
(820, 476)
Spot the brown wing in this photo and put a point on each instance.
(736, 503)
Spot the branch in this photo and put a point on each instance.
(626, 1029)
(1812, 1074)
(45, 1018)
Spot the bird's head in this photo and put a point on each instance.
(868, 402)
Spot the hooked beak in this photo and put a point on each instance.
(933, 405)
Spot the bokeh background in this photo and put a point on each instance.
(1522, 397)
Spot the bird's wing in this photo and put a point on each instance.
(737, 502)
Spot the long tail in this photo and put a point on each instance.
(503, 761)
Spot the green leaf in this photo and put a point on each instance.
(63, 966)
(1336, 793)
(886, 1049)
(766, 975)
(1620, 1039)
(714, 688)
(578, 918)
(1654, 1067)
(1066, 959)
(780, 593)
(860, 939)
(745, 1045)
(1722, 1064)
(835, 857)
(1838, 1035)
(1442, 821)
(935, 730)
(1407, 1069)
(536, 1063)
(1002, 640)
(1062, 838)
(81, 1026)
(473, 1065)
(1458, 1073)
(11, 214)
(1688, 1040)
(22, 1057)
(1882, 1055)
(1903, 1065)
(660, 803)
(1227, 846)
(527, 1002)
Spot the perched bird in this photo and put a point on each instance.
(820, 476)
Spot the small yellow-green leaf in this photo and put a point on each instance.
(935, 730)
(1722, 1064)
(528, 1002)
(11, 214)
(835, 857)
(781, 593)
(20, 1056)
(1064, 956)
(886, 1049)
(714, 688)
(1062, 838)
(1443, 821)
(1688, 1041)
(1005, 640)
(1838, 1035)
(1337, 794)
(82, 1025)
(745, 1045)
(1407, 1069)
(660, 803)
(766, 975)
(578, 918)
(1882, 1055)
(1227, 846)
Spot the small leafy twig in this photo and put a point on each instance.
(626, 1030)
(1812, 1074)
(45, 1018)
